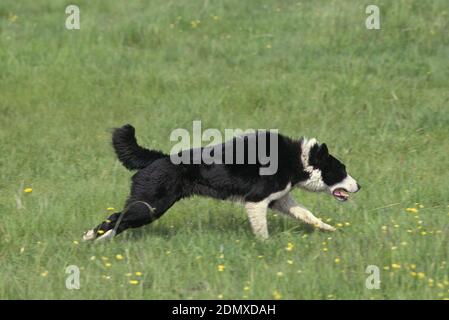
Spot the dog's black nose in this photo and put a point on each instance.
(358, 187)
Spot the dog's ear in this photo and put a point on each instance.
(323, 153)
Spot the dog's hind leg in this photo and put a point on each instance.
(135, 214)
(288, 206)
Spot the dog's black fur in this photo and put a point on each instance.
(160, 183)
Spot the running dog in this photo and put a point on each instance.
(159, 182)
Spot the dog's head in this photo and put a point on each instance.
(326, 173)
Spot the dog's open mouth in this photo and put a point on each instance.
(340, 194)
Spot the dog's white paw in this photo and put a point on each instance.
(327, 227)
(89, 235)
(324, 227)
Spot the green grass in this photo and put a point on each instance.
(379, 99)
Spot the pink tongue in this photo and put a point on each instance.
(341, 193)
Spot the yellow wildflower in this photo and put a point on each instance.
(194, 23)
(413, 210)
(138, 273)
(119, 257)
(44, 274)
(28, 190)
(276, 295)
(133, 282)
(12, 17)
(337, 260)
(221, 267)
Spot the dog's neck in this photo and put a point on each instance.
(314, 182)
(306, 146)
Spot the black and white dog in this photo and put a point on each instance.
(159, 182)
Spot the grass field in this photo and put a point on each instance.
(378, 98)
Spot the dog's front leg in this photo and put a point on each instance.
(288, 206)
(257, 214)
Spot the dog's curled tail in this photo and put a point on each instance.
(130, 154)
